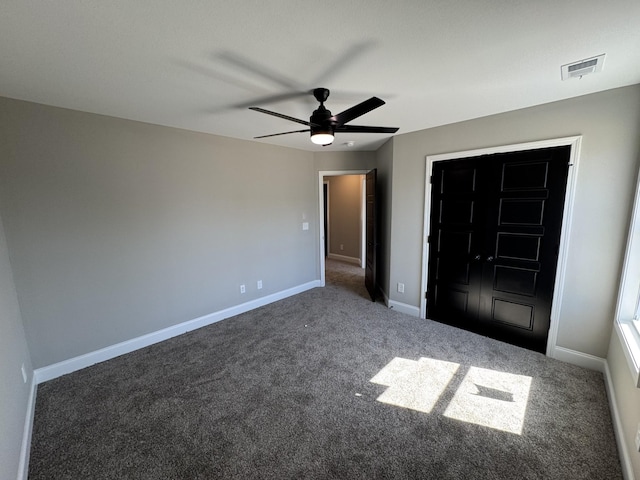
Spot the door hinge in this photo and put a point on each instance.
(428, 238)
(426, 295)
(431, 179)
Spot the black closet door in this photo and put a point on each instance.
(495, 230)
(456, 238)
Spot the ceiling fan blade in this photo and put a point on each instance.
(272, 99)
(342, 61)
(365, 129)
(257, 69)
(357, 110)
(283, 133)
(286, 117)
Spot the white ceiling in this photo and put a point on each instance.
(197, 64)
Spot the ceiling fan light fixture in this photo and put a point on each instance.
(322, 136)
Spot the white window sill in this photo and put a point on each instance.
(630, 338)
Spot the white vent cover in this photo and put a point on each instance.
(583, 67)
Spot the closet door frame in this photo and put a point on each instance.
(574, 142)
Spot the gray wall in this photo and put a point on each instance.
(119, 228)
(347, 160)
(345, 210)
(610, 124)
(14, 393)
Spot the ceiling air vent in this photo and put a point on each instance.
(583, 67)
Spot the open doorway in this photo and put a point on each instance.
(342, 217)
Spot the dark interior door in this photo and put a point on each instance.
(371, 234)
(494, 236)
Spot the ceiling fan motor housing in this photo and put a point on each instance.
(322, 121)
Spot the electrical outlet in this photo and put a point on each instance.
(259, 284)
(400, 287)
(341, 246)
(242, 289)
(638, 439)
(24, 373)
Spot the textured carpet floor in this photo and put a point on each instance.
(285, 392)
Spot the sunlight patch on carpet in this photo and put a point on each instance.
(484, 397)
(415, 385)
(492, 399)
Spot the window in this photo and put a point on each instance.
(627, 324)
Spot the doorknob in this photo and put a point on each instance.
(477, 257)
(489, 259)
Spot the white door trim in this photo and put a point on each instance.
(363, 222)
(327, 233)
(321, 175)
(574, 143)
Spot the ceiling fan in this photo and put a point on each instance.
(323, 125)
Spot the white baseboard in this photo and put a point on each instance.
(344, 258)
(578, 358)
(601, 365)
(73, 364)
(25, 449)
(623, 450)
(404, 308)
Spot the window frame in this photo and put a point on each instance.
(627, 318)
